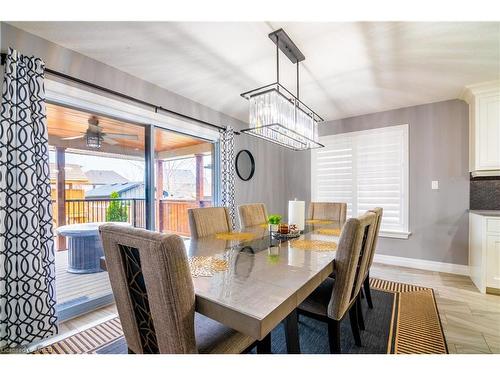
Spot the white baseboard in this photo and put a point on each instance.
(421, 264)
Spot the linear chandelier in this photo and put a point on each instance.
(278, 116)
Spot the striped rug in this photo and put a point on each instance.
(87, 341)
(415, 325)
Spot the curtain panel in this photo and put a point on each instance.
(27, 271)
(227, 171)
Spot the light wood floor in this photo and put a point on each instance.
(471, 320)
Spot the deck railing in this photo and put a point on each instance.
(172, 214)
(94, 210)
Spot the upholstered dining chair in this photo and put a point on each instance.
(378, 211)
(209, 220)
(327, 211)
(337, 296)
(252, 214)
(154, 295)
(363, 265)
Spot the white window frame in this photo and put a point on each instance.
(405, 196)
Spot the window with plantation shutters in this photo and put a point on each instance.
(365, 169)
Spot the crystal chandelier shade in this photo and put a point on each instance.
(279, 119)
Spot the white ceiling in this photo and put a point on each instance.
(350, 68)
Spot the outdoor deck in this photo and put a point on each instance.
(172, 214)
(72, 289)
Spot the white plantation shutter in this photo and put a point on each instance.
(332, 172)
(365, 169)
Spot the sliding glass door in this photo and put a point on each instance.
(97, 170)
(183, 179)
(100, 173)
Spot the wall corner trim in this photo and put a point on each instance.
(422, 264)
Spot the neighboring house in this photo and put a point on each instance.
(181, 184)
(124, 190)
(105, 177)
(75, 181)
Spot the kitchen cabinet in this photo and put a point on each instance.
(484, 128)
(493, 261)
(484, 250)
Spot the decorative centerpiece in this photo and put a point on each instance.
(283, 229)
(287, 231)
(273, 221)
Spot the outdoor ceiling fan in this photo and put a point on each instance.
(94, 136)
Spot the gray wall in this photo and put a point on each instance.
(298, 176)
(280, 175)
(268, 184)
(438, 135)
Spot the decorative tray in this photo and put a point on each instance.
(286, 236)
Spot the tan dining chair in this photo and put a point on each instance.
(252, 215)
(208, 221)
(327, 211)
(378, 211)
(337, 296)
(154, 294)
(363, 265)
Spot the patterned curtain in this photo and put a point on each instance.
(227, 169)
(27, 272)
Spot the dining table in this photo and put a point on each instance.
(266, 278)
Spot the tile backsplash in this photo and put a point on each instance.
(485, 193)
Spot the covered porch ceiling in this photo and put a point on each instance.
(64, 122)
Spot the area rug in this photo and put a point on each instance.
(404, 320)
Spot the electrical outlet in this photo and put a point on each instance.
(435, 185)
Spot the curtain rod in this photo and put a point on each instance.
(124, 96)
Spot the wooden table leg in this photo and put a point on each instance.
(292, 333)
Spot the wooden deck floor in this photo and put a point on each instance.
(72, 287)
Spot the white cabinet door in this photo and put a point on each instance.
(493, 261)
(488, 132)
(477, 252)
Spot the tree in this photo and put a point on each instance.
(170, 167)
(116, 210)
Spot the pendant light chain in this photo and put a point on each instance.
(277, 62)
(298, 80)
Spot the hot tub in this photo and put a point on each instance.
(84, 246)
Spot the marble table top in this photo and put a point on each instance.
(266, 280)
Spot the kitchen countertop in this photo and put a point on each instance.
(495, 213)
